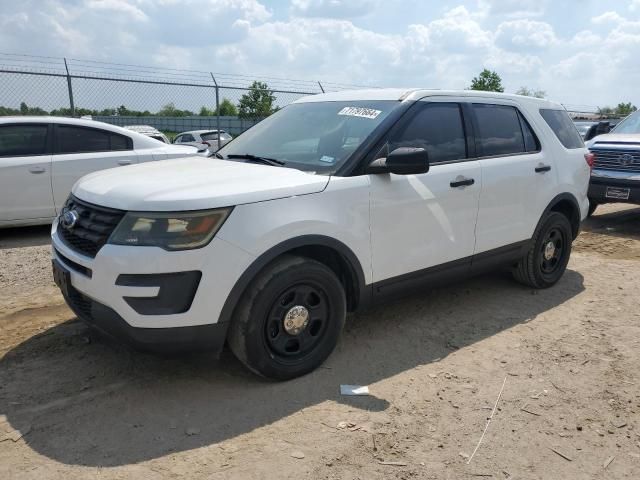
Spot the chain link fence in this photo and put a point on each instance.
(122, 94)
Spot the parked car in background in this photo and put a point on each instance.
(203, 139)
(616, 168)
(335, 201)
(42, 157)
(584, 127)
(149, 131)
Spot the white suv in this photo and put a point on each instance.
(331, 204)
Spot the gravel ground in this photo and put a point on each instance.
(566, 360)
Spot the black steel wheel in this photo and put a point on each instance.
(289, 319)
(548, 254)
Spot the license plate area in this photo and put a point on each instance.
(61, 277)
(617, 193)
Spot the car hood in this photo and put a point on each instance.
(631, 138)
(193, 183)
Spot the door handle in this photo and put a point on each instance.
(124, 162)
(462, 182)
(543, 168)
(37, 169)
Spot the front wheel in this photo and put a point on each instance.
(548, 255)
(289, 319)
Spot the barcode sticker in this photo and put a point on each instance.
(369, 113)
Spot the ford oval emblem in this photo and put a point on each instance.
(69, 219)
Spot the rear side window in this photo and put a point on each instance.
(209, 136)
(531, 142)
(437, 128)
(499, 131)
(23, 140)
(82, 140)
(563, 127)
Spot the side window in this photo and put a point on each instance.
(188, 138)
(437, 128)
(120, 142)
(23, 140)
(499, 131)
(531, 142)
(563, 127)
(80, 140)
(178, 139)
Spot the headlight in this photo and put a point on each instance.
(171, 231)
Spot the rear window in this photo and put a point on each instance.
(499, 130)
(23, 140)
(209, 136)
(563, 127)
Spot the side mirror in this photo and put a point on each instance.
(402, 161)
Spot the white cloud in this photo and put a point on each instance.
(332, 8)
(518, 34)
(118, 6)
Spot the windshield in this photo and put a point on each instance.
(631, 124)
(314, 136)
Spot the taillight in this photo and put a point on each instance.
(590, 158)
(206, 143)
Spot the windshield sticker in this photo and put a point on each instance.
(327, 159)
(369, 113)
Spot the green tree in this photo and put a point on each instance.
(488, 81)
(527, 92)
(170, 110)
(24, 109)
(257, 102)
(227, 109)
(625, 109)
(205, 112)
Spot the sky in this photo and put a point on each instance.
(583, 52)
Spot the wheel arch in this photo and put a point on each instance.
(567, 204)
(329, 251)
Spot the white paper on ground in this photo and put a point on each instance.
(354, 390)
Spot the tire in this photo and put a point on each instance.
(275, 338)
(592, 207)
(536, 269)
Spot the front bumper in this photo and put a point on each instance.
(151, 298)
(601, 179)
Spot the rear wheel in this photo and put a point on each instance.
(548, 255)
(289, 319)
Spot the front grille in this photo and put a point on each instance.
(93, 228)
(624, 160)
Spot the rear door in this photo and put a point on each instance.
(81, 150)
(426, 220)
(518, 179)
(25, 172)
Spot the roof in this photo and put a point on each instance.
(141, 128)
(409, 94)
(210, 130)
(141, 141)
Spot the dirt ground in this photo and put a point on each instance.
(567, 360)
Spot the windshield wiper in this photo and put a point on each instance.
(255, 158)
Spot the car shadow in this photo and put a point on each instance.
(25, 236)
(99, 404)
(624, 223)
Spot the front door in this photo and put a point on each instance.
(25, 172)
(423, 225)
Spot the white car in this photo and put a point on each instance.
(203, 139)
(149, 131)
(42, 157)
(333, 203)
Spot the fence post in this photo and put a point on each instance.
(73, 108)
(217, 108)
(321, 87)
